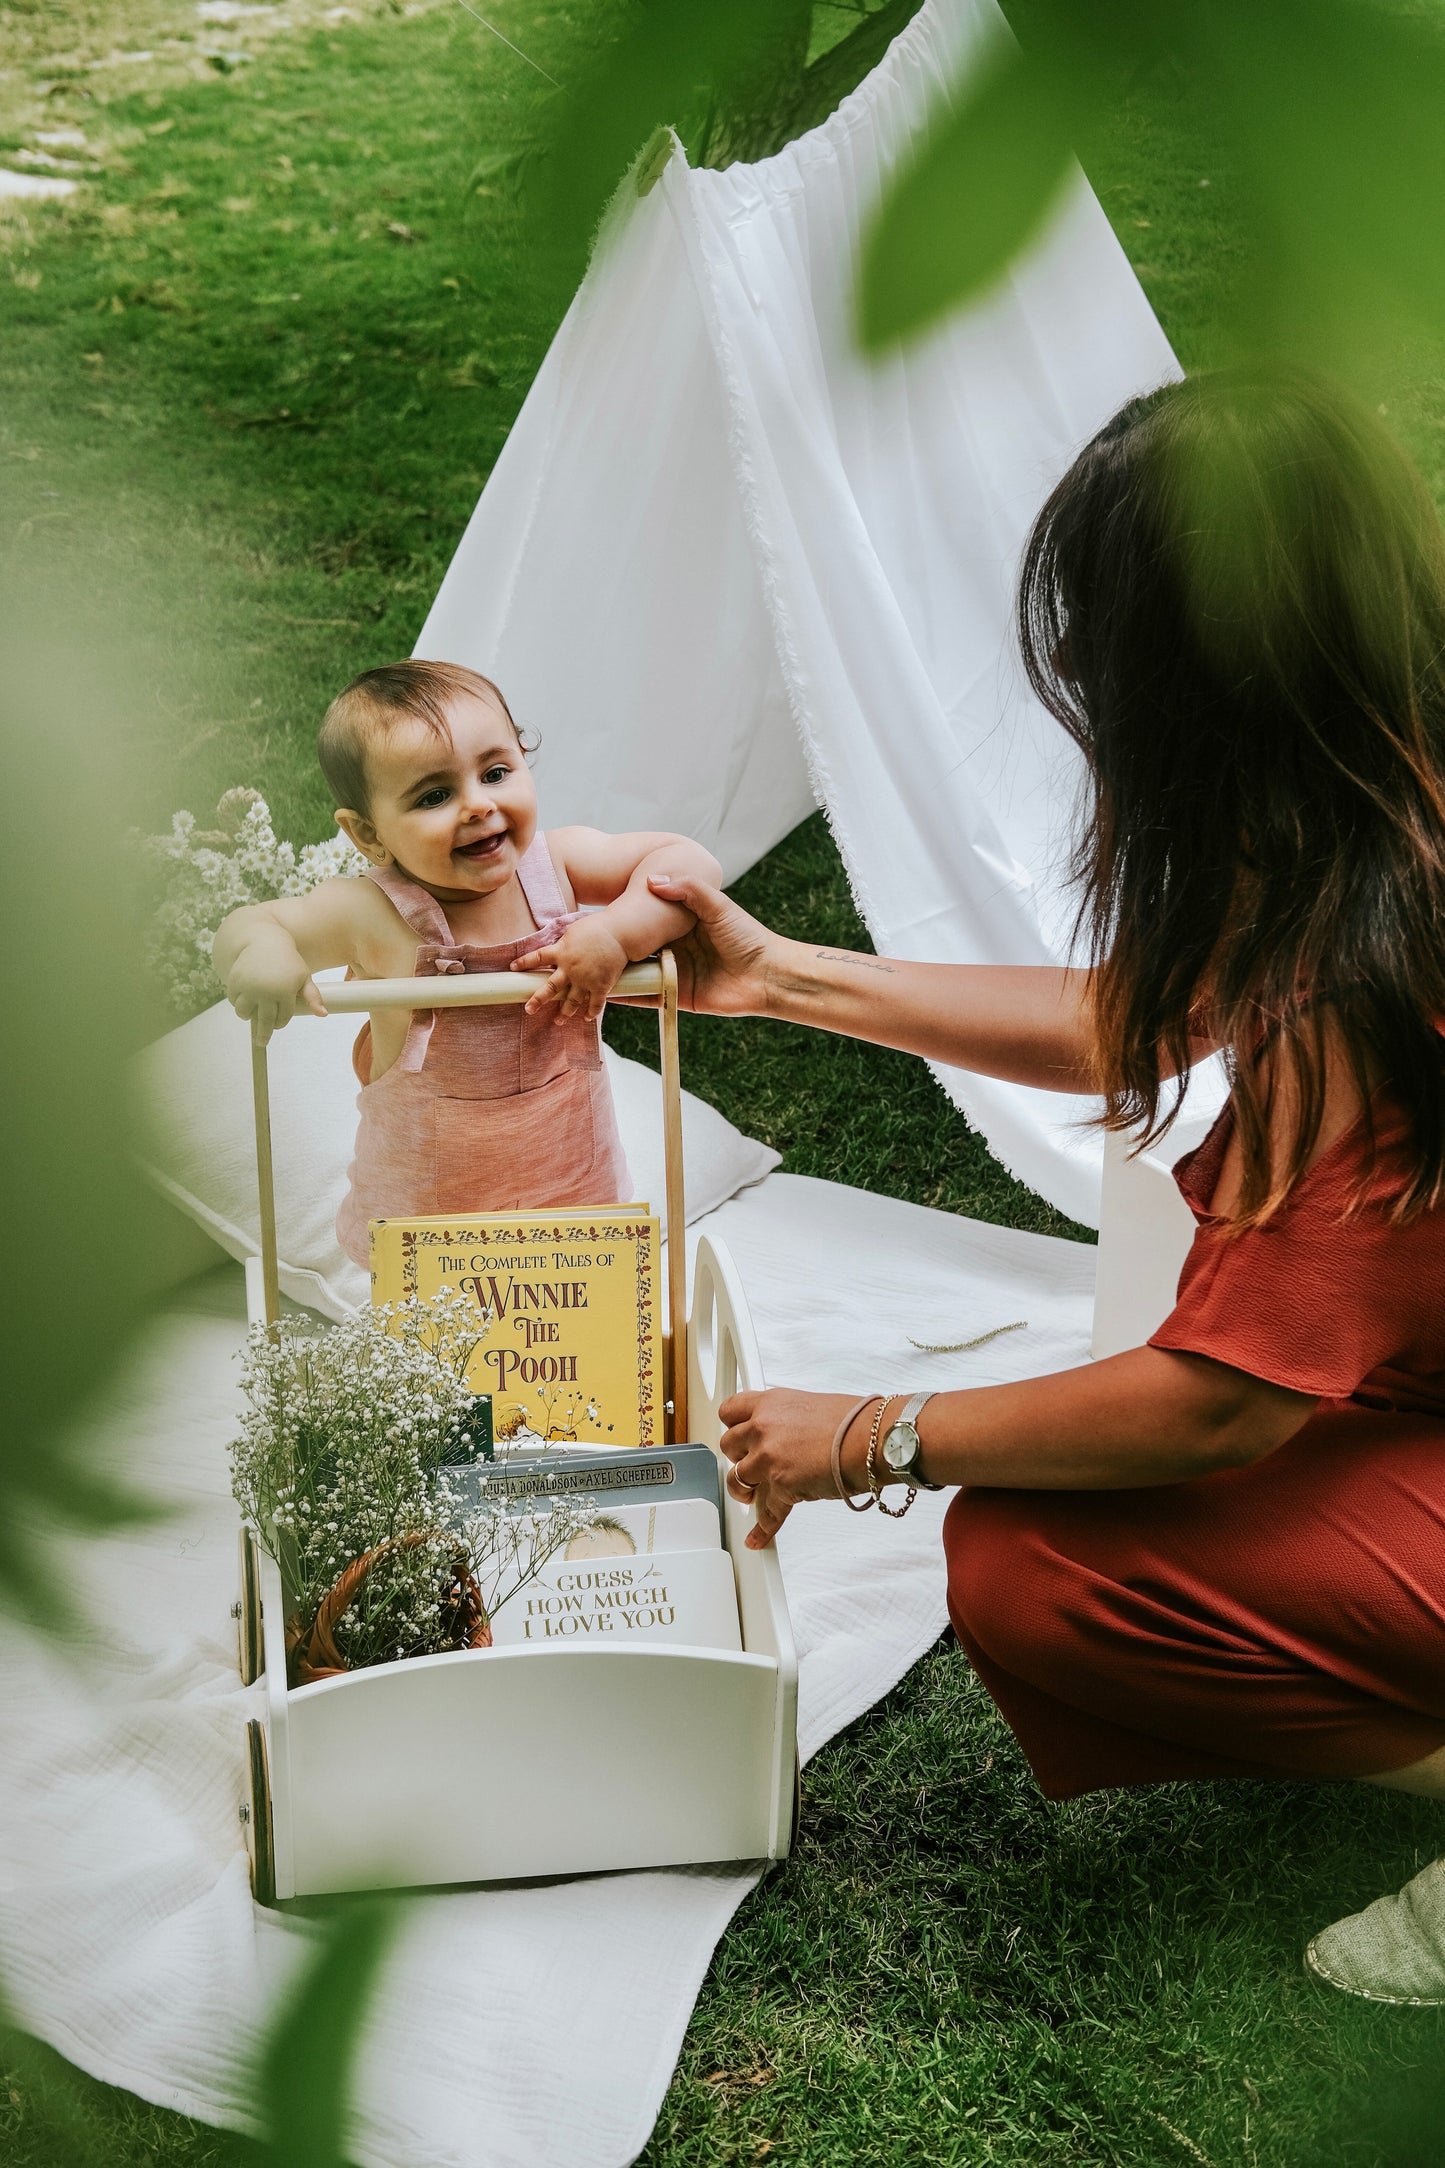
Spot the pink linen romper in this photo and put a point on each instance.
(483, 1110)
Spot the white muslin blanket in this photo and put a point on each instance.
(519, 2027)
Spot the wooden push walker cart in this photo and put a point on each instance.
(489, 1764)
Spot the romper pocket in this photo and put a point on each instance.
(547, 1049)
(527, 1150)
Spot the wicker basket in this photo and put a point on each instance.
(311, 1651)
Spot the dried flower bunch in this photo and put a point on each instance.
(202, 874)
(350, 1442)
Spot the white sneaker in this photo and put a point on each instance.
(1393, 1951)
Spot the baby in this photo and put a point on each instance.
(462, 1110)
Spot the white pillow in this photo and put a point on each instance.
(199, 1148)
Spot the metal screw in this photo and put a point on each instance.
(245, 1812)
(235, 1610)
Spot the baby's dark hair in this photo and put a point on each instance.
(376, 702)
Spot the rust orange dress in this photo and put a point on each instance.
(1281, 1620)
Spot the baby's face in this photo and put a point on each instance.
(456, 816)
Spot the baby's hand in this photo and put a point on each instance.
(269, 983)
(583, 966)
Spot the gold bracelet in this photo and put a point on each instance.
(895, 1513)
(837, 1455)
(868, 1463)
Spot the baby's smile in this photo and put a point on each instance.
(482, 848)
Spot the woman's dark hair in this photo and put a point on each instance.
(1235, 603)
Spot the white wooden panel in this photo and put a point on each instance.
(278, 1729)
(723, 1358)
(480, 1766)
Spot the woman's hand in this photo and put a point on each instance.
(780, 1444)
(722, 965)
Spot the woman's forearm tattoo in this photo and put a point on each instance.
(847, 956)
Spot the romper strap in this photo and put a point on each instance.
(537, 872)
(428, 921)
(424, 915)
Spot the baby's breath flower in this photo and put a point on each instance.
(200, 879)
(346, 1436)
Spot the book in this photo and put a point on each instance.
(676, 1524)
(650, 1476)
(685, 1596)
(573, 1354)
(473, 1433)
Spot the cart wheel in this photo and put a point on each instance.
(256, 1814)
(247, 1612)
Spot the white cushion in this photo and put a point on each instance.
(195, 1093)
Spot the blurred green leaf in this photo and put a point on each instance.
(35, 2077)
(306, 2065)
(665, 70)
(1335, 111)
(968, 201)
(789, 92)
(85, 1241)
(1329, 116)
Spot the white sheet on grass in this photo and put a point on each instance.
(519, 2028)
(722, 565)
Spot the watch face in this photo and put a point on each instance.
(900, 1445)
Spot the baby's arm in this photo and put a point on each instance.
(589, 958)
(265, 953)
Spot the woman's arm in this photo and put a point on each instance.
(1025, 1023)
(1145, 1417)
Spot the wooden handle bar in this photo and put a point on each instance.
(469, 990)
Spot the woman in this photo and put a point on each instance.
(1223, 1553)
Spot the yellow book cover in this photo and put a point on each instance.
(574, 1351)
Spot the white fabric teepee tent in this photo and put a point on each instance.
(727, 568)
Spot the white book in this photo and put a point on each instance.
(672, 1524)
(686, 1596)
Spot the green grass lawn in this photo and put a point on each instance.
(256, 376)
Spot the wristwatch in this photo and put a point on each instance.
(901, 1445)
